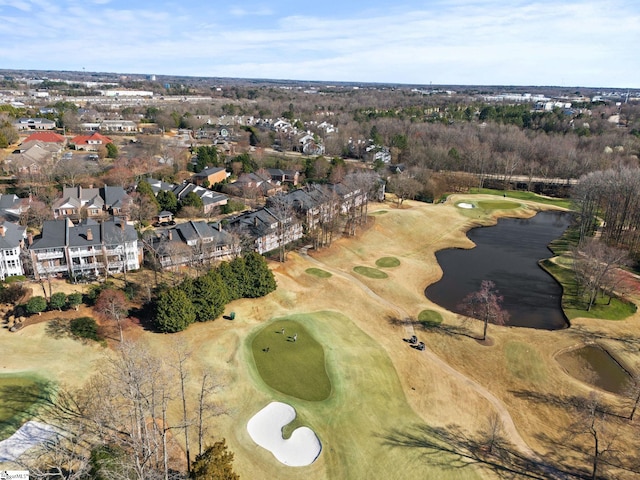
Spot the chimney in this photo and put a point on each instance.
(2, 230)
(255, 221)
(122, 225)
(30, 239)
(89, 235)
(170, 233)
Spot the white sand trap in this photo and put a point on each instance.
(28, 435)
(465, 205)
(265, 428)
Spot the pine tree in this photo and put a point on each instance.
(174, 311)
(215, 463)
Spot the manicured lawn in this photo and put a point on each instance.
(19, 398)
(370, 272)
(574, 306)
(497, 205)
(525, 363)
(318, 272)
(530, 196)
(295, 368)
(387, 262)
(429, 318)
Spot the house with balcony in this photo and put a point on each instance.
(268, 231)
(90, 249)
(79, 202)
(12, 238)
(194, 243)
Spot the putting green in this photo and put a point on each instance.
(387, 262)
(497, 204)
(370, 272)
(293, 367)
(318, 272)
(19, 398)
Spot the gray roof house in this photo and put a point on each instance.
(194, 243)
(96, 201)
(90, 248)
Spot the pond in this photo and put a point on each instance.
(594, 365)
(507, 254)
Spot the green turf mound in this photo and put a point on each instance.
(429, 318)
(387, 262)
(295, 368)
(318, 272)
(370, 272)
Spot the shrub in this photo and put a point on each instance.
(36, 305)
(12, 293)
(58, 300)
(74, 299)
(84, 327)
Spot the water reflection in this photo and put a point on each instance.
(508, 254)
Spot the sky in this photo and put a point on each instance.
(591, 43)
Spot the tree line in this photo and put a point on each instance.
(204, 298)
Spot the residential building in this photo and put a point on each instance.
(253, 185)
(12, 206)
(210, 199)
(194, 243)
(89, 249)
(77, 202)
(284, 176)
(91, 142)
(122, 126)
(211, 175)
(12, 239)
(34, 124)
(267, 230)
(33, 157)
(46, 137)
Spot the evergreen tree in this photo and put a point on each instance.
(215, 463)
(209, 297)
(167, 201)
(228, 275)
(240, 277)
(58, 300)
(174, 311)
(261, 279)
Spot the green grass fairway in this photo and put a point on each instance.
(19, 395)
(429, 318)
(497, 205)
(387, 262)
(530, 196)
(367, 408)
(294, 368)
(370, 272)
(318, 272)
(575, 306)
(525, 363)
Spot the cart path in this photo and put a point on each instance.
(509, 427)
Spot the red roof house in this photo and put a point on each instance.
(90, 142)
(46, 137)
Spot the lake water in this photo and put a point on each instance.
(507, 254)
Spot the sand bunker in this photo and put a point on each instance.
(265, 428)
(29, 435)
(465, 205)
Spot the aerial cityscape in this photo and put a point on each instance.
(341, 240)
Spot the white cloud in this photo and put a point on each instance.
(467, 41)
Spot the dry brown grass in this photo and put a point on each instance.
(424, 392)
